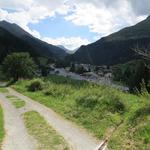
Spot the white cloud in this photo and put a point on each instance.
(30, 11)
(141, 7)
(101, 16)
(16, 4)
(70, 43)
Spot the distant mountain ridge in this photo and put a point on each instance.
(14, 39)
(64, 48)
(67, 50)
(115, 48)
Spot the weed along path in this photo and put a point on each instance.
(16, 137)
(77, 138)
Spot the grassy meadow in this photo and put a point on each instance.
(2, 132)
(1, 126)
(104, 111)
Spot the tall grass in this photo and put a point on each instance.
(99, 109)
(1, 126)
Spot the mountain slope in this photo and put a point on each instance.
(63, 47)
(14, 38)
(67, 50)
(115, 48)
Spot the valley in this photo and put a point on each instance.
(74, 75)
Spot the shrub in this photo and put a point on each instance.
(114, 104)
(80, 70)
(87, 101)
(143, 134)
(140, 114)
(36, 85)
(58, 90)
(132, 74)
(52, 91)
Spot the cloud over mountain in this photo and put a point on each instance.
(100, 16)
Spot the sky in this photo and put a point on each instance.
(73, 23)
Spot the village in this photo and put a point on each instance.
(97, 74)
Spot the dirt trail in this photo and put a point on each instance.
(78, 138)
(16, 135)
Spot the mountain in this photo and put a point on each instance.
(62, 47)
(14, 39)
(115, 48)
(67, 50)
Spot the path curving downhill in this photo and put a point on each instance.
(16, 137)
(78, 138)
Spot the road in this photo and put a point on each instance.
(77, 137)
(16, 137)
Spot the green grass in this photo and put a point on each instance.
(46, 137)
(18, 103)
(99, 109)
(2, 133)
(3, 90)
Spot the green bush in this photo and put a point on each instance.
(133, 74)
(143, 134)
(87, 101)
(111, 103)
(140, 114)
(53, 91)
(36, 85)
(114, 104)
(58, 90)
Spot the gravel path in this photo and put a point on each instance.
(16, 135)
(78, 138)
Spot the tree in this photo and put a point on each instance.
(19, 65)
(62, 63)
(72, 68)
(145, 52)
(132, 74)
(80, 69)
(43, 64)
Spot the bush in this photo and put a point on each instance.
(114, 104)
(140, 114)
(36, 85)
(132, 74)
(58, 90)
(87, 101)
(143, 134)
(80, 70)
(52, 91)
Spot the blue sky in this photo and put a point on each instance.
(59, 27)
(73, 23)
